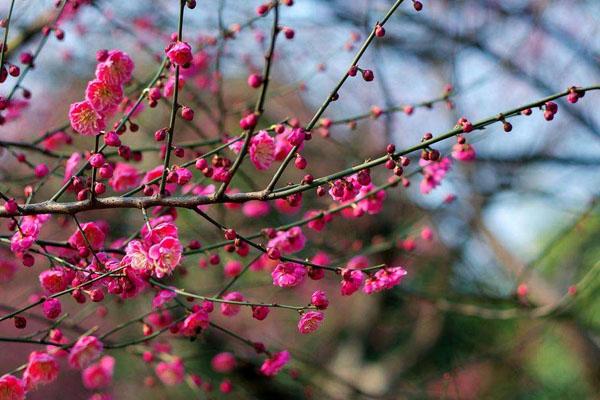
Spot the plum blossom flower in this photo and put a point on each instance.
(282, 147)
(24, 237)
(53, 281)
(351, 281)
(317, 224)
(384, 279)
(271, 366)
(11, 388)
(136, 256)
(288, 274)
(296, 136)
(229, 309)
(85, 119)
(310, 321)
(54, 141)
(85, 351)
(159, 229)
(223, 362)
(42, 368)
(116, 69)
(100, 374)
(262, 150)
(344, 189)
(71, 166)
(170, 373)
(290, 241)
(372, 204)
(194, 323)
(433, 173)
(165, 256)
(163, 297)
(180, 53)
(463, 152)
(255, 208)
(93, 233)
(124, 177)
(51, 308)
(319, 299)
(103, 96)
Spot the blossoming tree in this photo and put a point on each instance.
(130, 243)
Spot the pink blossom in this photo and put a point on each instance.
(200, 62)
(71, 166)
(262, 150)
(57, 139)
(229, 309)
(104, 97)
(160, 228)
(463, 152)
(85, 351)
(310, 321)
(317, 224)
(183, 176)
(288, 274)
(282, 147)
(116, 69)
(41, 170)
(296, 136)
(161, 319)
(163, 297)
(236, 144)
(170, 373)
(169, 87)
(53, 281)
(180, 53)
(255, 208)
(124, 177)
(358, 262)
(321, 258)
(42, 368)
(284, 207)
(24, 237)
(427, 234)
(11, 388)
(384, 279)
(51, 308)
(194, 323)
(232, 268)
(165, 255)
(319, 300)
(372, 204)
(100, 374)
(15, 108)
(221, 174)
(433, 173)
(85, 120)
(290, 241)
(93, 233)
(223, 362)
(271, 366)
(260, 312)
(136, 256)
(351, 281)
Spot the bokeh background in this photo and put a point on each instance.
(525, 211)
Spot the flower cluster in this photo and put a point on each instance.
(159, 251)
(103, 94)
(433, 173)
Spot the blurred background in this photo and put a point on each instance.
(526, 211)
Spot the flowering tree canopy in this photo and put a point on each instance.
(248, 199)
